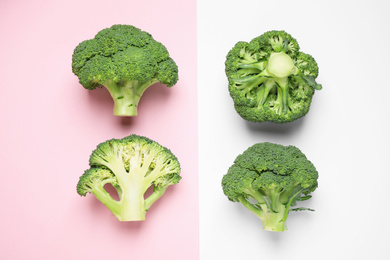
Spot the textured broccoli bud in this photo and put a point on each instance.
(126, 61)
(131, 165)
(268, 179)
(270, 79)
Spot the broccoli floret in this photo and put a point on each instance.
(126, 61)
(131, 165)
(270, 79)
(269, 179)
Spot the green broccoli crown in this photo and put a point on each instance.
(270, 79)
(273, 175)
(132, 151)
(131, 165)
(126, 61)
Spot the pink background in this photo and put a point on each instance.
(50, 124)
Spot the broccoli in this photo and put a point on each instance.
(270, 79)
(269, 179)
(131, 165)
(126, 61)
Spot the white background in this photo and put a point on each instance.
(345, 134)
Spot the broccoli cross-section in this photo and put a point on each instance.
(268, 179)
(270, 79)
(126, 61)
(131, 165)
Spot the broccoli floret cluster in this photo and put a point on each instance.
(269, 179)
(126, 61)
(131, 165)
(270, 79)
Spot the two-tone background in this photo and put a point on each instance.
(49, 125)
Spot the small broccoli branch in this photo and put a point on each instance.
(283, 94)
(157, 193)
(247, 84)
(254, 208)
(263, 92)
(295, 196)
(103, 196)
(126, 95)
(247, 56)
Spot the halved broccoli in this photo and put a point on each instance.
(270, 79)
(126, 61)
(131, 165)
(269, 179)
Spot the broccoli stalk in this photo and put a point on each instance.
(272, 217)
(126, 95)
(93, 181)
(268, 179)
(131, 165)
(132, 205)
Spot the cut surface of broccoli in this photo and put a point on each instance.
(270, 79)
(131, 165)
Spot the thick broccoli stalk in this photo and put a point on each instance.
(270, 79)
(126, 61)
(131, 165)
(268, 179)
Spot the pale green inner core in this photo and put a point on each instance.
(280, 65)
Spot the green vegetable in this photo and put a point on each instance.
(270, 79)
(131, 165)
(269, 179)
(126, 61)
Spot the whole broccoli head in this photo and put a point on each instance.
(131, 165)
(126, 61)
(268, 179)
(270, 79)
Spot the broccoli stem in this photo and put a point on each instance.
(157, 193)
(103, 196)
(125, 107)
(291, 199)
(274, 221)
(132, 198)
(282, 84)
(263, 91)
(274, 212)
(126, 95)
(132, 202)
(280, 65)
(133, 206)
